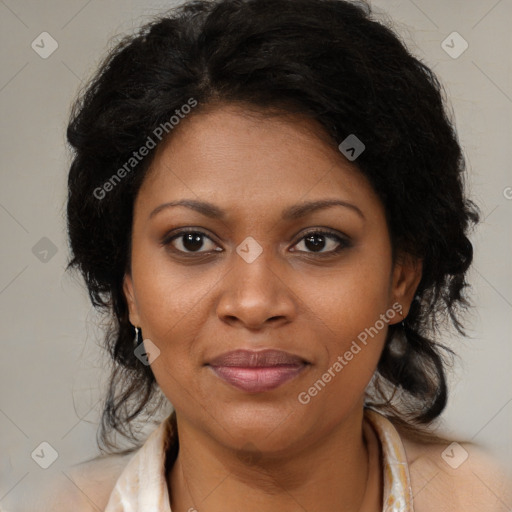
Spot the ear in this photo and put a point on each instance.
(406, 277)
(130, 300)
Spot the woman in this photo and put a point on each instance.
(267, 197)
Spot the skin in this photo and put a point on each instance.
(264, 451)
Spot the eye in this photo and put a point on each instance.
(190, 242)
(319, 239)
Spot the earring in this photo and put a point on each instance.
(136, 339)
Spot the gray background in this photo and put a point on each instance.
(51, 366)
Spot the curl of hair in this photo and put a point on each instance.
(328, 60)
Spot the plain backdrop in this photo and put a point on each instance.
(52, 368)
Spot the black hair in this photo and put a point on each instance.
(328, 60)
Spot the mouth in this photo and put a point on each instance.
(257, 371)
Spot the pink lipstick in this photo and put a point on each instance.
(257, 371)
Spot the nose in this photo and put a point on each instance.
(255, 294)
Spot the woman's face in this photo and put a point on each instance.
(246, 271)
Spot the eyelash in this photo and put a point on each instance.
(342, 241)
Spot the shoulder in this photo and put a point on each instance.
(84, 487)
(451, 476)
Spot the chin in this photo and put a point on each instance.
(266, 426)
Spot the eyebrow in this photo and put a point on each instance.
(291, 213)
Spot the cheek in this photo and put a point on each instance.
(357, 323)
(353, 297)
(351, 353)
(170, 296)
(174, 323)
(354, 305)
(171, 302)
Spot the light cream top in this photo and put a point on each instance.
(416, 477)
(142, 485)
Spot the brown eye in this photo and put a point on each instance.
(317, 241)
(190, 242)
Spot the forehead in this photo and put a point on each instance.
(234, 157)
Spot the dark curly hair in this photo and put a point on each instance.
(330, 61)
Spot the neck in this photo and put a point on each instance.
(330, 473)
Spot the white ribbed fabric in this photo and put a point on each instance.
(142, 486)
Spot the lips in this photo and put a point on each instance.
(257, 371)
(256, 359)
